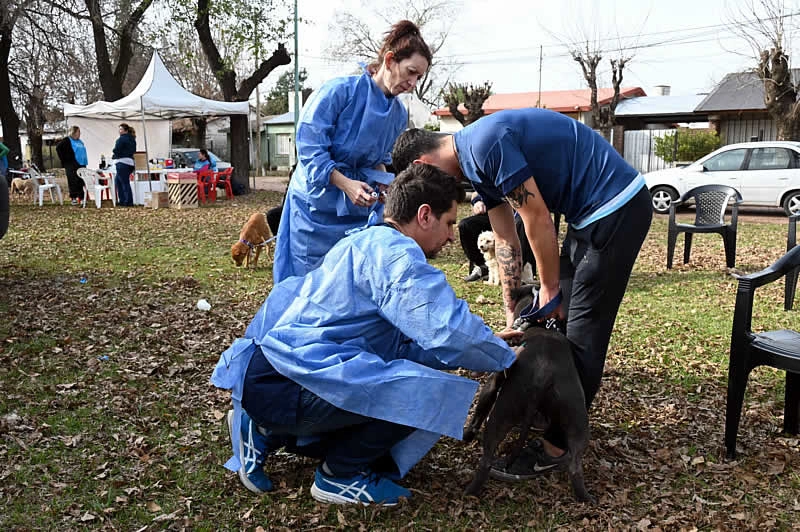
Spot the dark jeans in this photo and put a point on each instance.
(596, 264)
(349, 443)
(274, 219)
(74, 182)
(122, 182)
(470, 227)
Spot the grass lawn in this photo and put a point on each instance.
(107, 418)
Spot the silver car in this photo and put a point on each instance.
(765, 174)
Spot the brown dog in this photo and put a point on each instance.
(23, 186)
(252, 238)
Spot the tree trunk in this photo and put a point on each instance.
(8, 116)
(788, 125)
(199, 127)
(240, 150)
(112, 78)
(780, 94)
(226, 77)
(35, 125)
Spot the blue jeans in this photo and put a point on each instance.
(348, 442)
(122, 182)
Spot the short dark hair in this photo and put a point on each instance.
(204, 152)
(412, 143)
(417, 185)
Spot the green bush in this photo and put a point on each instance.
(691, 145)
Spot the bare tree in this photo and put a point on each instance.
(763, 24)
(40, 65)
(588, 41)
(471, 96)
(589, 57)
(359, 38)
(186, 61)
(264, 18)
(10, 12)
(114, 28)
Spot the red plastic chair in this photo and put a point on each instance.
(223, 177)
(206, 186)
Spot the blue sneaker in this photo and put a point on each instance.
(253, 450)
(363, 488)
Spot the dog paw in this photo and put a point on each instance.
(469, 434)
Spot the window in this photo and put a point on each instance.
(283, 144)
(727, 161)
(770, 159)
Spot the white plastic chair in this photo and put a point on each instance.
(46, 182)
(91, 181)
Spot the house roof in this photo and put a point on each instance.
(567, 101)
(659, 105)
(739, 91)
(285, 118)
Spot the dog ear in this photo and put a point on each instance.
(522, 291)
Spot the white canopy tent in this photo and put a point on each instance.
(157, 99)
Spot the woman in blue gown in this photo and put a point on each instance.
(344, 140)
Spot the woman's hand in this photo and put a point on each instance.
(358, 192)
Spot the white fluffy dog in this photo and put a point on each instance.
(486, 245)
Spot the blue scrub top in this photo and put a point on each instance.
(576, 170)
(348, 124)
(369, 331)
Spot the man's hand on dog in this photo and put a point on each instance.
(511, 336)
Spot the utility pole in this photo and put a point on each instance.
(296, 85)
(259, 164)
(539, 100)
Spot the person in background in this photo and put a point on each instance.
(344, 139)
(72, 153)
(347, 363)
(468, 230)
(205, 161)
(4, 150)
(124, 149)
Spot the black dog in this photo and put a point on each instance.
(542, 382)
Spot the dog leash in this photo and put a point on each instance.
(532, 314)
(252, 246)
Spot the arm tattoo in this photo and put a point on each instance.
(519, 196)
(509, 261)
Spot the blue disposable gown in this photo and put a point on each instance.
(369, 331)
(348, 124)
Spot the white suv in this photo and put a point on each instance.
(764, 173)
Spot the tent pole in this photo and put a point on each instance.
(251, 143)
(146, 151)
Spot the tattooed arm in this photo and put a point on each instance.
(508, 254)
(541, 233)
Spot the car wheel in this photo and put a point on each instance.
(661, 198)
(791, 203)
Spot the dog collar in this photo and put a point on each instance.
(253, 246)
(532, 314)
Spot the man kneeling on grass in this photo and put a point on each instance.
(343, 364)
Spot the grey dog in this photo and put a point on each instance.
(542, 383)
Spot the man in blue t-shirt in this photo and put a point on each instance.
(536, 161)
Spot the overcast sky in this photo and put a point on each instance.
(686, 44)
